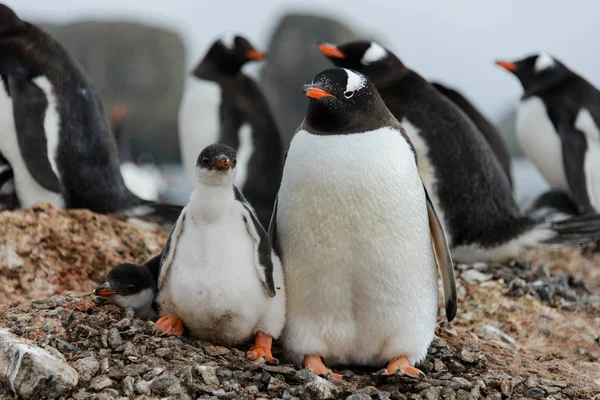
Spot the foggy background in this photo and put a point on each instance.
(453, 42)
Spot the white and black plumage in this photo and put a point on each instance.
(219, 276)
(357, 234)
(53, 131)
(222, 105)
(8, 197)
(464, 178)
(558, 124)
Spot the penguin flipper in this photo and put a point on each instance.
(443, 259)
(273, 228)
(262, 250)
(29, 110)
(168, 253)
(574, 148)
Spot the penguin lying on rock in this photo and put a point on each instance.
(133, 286)
(358, 235)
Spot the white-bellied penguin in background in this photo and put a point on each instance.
(53, 131)
(461, 173)
(358, 235)
(558, 123)
(219, 276)
(222, 105)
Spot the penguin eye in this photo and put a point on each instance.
(348, 94)
(131, 288)
(205, 162)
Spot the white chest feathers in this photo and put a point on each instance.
(353, 229)
(212, 283)
(540, 141)
(28, 190)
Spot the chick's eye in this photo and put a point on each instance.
(205, 161)
(131, 288)
(348, 94)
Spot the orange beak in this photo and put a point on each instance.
(315, 92)
(330, 50)
(222, 164)
(255, 55)
(512, 67)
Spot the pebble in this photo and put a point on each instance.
(101, 382)
(320, 388)
(535, 393)
(209, 374)
(166, 384)
(128, 386)
(142, 387)
(361, 396)
(474, 277)
(163, 352)
(87, 368)
(114, 338)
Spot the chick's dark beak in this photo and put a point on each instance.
(314, 92)
(509, 66)
(105, 290)
(255, 55)
(330, 50)
(221, 162)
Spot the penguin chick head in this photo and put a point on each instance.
(216, 165)
(129, 286)
(342, 100)
(227, 56)
(8, 20)
(536, 71)
(368, 58)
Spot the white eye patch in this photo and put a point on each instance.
(228, 40)
(355, 81)
(543, 62)
(374, 53)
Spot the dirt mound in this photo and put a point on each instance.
(44, 251)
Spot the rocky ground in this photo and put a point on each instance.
(530, 330)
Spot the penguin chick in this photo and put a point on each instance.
(132, 286)
(219, 276)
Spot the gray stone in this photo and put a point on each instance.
(361, 396)
(490, 332)
(30, 371)
(142, 387)
(128, 386)
(166, 385)
(114, 338)
(535, 393)
(474, 277)
(320, 388)
(87, 367)
(101, 382)
(163, 352)
(209, 374)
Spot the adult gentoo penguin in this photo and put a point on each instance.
(53, 131)
(357, 235)
(488, 130)
(222, 105)
(219, 276)
(460, 171)
(558, 124)
(133, 286)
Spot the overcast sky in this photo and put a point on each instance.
(454, 41)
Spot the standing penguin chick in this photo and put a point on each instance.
(558, 124)
(222, 105)
(219, 275)
(133, 286)
(357, 234)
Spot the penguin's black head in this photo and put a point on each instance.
(216, 164)
(129, 286)
(369, 58)
(227, 56)
(9, 20)
(342, 101)
(537, 72)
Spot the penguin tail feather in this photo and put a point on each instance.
(575, 231)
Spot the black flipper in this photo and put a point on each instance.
(574, 148)
(29, 110)
(262, 246)
(443, 259)
(168, 254)
(273, 229)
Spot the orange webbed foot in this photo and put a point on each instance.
(315, 364)
(169, 325)
(262, 348)
(401, 363)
